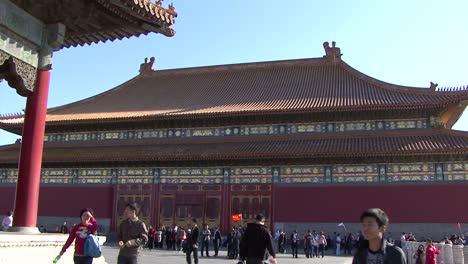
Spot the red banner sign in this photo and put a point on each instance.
(237, 217)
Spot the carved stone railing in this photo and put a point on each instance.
(38, 248)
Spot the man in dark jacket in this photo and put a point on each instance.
(192, 243)
(216, 241)
(376, 249)
(255, 242)
(294, 242)
(281, 242)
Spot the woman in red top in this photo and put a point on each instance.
(79, 232)
(431, 252)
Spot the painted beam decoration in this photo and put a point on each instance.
(355, 173)
(420, 172)
(455, 171)
(251, 175)
(303, 174)
(272, 129)
(395, 173)
(191, 175)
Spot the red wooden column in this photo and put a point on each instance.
(227, 198)
(226, 208)
(29, 173)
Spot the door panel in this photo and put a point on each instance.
(139, 195)
(249, 205)
(179, 208)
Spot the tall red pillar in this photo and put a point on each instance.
(29, 173)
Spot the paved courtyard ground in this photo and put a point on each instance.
(173, 257)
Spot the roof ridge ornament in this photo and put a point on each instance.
(433, 86)
(147, 66)
(172, 7)
(333, 53)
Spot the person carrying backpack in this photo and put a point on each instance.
(78, 233)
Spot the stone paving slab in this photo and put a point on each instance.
(172, 257)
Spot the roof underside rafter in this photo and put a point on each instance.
(92, 21)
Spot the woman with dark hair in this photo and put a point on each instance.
(419, 255)
(78, 233)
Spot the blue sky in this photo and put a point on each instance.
(403, 42)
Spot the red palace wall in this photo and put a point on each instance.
(7, 198)
(65, 200)
(293, 204)
(403, 204)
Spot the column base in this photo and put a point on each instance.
(24, 230)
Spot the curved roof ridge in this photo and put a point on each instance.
(237, 66)
(94, 97)
(382, 84)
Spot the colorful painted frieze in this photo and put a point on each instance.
(271, 129)
(302, 174)
(456, 171)
(417, 172)
(191, 175)
(251, 175)
(355, 173)
(311, 174)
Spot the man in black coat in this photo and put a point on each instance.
(294, 242)
(192, 243)
(281, 242)
(216, 241)
(255, 242)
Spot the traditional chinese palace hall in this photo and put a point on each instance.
(307, 142)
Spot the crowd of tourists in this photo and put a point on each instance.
(176, 238)
(253, 243)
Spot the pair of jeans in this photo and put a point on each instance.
(82, 260)
(204, 246)
(216, 246)
(338, 249)
(189, 252)
(315, 251)
(127, 259)
(308, 251)
(322, 249)
(294, 249)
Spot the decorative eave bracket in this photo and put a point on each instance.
(26, 45)
(9, 72)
